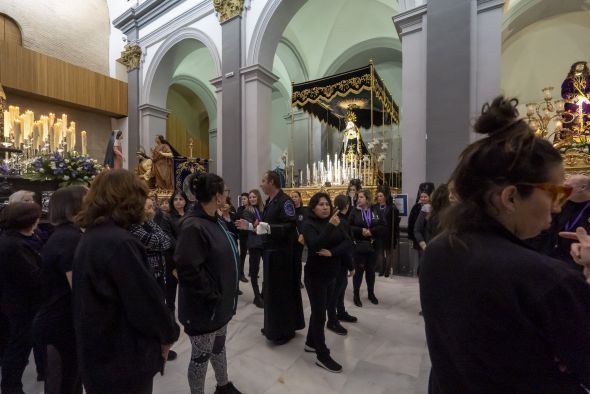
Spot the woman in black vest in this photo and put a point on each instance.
(20, 284)
(500, 317)
(253, 215)
(208, 265)
(54, 326)
(366, 227)
(326, 241)
(301, 213)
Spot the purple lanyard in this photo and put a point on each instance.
(367, 215)
(258, 214)
(570, 227)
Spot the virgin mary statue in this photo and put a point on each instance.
(353, 147)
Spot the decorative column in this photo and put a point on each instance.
(131, 58)
(213, 151)
(411, 28)
(229, 160)
(153, 122)
(217, 153)
(486, 59)
(256, 146)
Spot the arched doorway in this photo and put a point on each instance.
(179, 98)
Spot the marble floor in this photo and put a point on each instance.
(385, 352)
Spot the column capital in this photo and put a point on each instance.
(217, 84)
(152, 110)
(131, 57)
(228, 9)
(259, 73)
(410, 21)
(488, 5)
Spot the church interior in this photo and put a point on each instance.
(386, 92)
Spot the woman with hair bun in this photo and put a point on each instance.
(500, 317)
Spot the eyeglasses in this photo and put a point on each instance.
(559, 193)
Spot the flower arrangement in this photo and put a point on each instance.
(69, 168)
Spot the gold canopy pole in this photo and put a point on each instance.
(372, 84)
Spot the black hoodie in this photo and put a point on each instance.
(207, 262)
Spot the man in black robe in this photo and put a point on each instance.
(283, 308)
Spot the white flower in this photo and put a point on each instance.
(66, 177)
(41, 170)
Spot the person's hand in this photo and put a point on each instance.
(256, 222)
(324, 253)
(242, 224)
(580, 250)
(351, 273)
(335, 220)
(366, 232)
(175, 273)
(423, 245)
(165, 350)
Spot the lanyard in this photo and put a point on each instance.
(367, 215)
(570, 227)
(258, 214)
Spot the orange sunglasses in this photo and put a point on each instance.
(559, 193)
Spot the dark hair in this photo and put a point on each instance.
(356, 183)
(297, 192)
(509, 155)
(439, 202)
(65, 204)
(206, 186)
(274, 178)
(116, 195)
(572, 72)
(315, 200)
(19, 215)
(367, 194)
(244, 195)
(119, 134)
(386, 193)
(163, 141)
(341, 202)
(171, 201)
(425, 187)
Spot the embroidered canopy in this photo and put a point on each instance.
(360, 90)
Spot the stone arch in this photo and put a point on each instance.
(204, 93)
(296, 57)
(269, 29)
(378, 42)
(169, 43)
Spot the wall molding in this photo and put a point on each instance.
(410, 21)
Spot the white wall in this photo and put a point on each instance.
(541, 55)
(76, 31)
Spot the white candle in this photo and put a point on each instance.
(45, 123)
(307, 179)
(7, 125)
(84, 142)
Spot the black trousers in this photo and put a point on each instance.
(243, 252)
(336, 303)
(171, 286)
(320, 292)
(4, 334)
(380, 261)
(255, 257)
(364, 263)
(17, 351)
(298, 255)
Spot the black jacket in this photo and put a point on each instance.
(414, 213)
(207, 262)
(320, 234)
(499, 314)
(120, 316)
(357, 223)
(20, 273)
(280, 214)
(346, 259)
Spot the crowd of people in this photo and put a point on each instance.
(504, 272)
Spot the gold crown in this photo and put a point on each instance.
(351, 116)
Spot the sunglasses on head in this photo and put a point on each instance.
(559, 193)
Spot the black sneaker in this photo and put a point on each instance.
(309, 348)
(328, 363)
(258, 302)
(240, 292)
(172, 355)
(345, 317)
(227, 389)
(357, 301)
(337, 328)
(243, 279)
(373, 299)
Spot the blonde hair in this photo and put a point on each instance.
(20, 196)
(260, 205)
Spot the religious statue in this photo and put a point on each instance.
(144, 168)
(114, 155)
(162, 158)
(353, 146)
(575, 90)
(2, 109)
